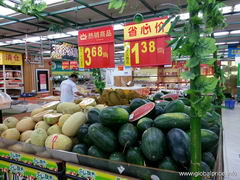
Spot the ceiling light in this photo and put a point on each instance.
(119, 45)
(2, 44)
(59, 35)
(73, 33)
(235, 32)
(46, 52)
(237, 8)
(184, 16)
(226, 9)
(233, 42)
(224, 33)
(17, 41)
(34, 39)
(118, 27)
(220, 43)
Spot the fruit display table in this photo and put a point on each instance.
(143, 91)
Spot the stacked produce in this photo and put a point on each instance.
(151, 133)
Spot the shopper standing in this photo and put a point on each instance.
(69, 89)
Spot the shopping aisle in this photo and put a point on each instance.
(231, 142)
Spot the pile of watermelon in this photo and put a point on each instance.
(153, 133)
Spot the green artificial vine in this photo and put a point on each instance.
(98, 82)
(32, 6)
(117, 4)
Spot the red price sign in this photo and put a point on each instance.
(146, 46)
(96, 48)
(65, 65)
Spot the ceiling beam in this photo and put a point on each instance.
(12, 30)
(147, 6)
(94, 9)
(28, 23)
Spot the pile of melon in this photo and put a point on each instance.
(53, 126)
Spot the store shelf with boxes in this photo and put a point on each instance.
(11, 74)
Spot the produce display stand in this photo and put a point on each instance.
(30, 166)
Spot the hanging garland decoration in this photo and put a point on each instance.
(117, 5)
(98, 81)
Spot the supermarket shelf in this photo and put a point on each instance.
(13, 71)
(14, 88)
(12, 78)
(171, 82)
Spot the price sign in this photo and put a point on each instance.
(65, 65)
(96, 48)
(10, 58)
(145, 45)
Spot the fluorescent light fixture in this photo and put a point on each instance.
(184, 16)
(53, 1)
(7, 11)
(34, 39)
(220, 43)
(223, 33)
(73, 33)
(58, 35)
(235, 32)
(118, 27)
(119, 52)
(233, 42)
(237, 8)
(119, 45)
(2, 44)
(46, 52)
(226, 9)
(17, 41)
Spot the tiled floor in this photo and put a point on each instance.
(231, 143)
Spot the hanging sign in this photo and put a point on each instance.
(233, 50)
(145, 45)
(65, 65)
(74, 65)
(10, 58)
(96, 47)
(64, 51)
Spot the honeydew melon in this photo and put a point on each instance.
(39, 116)
(51, 105)
(87, 102)
(62, 119)
(55, 129)
(42, 124)
(3, 128)
(36, 111)
(68, 108)
(25, 124)
(38, 137)
(11, 134)
(25, 135)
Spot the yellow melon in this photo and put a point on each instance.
(10, 122)
(59, 142)
(25, 124)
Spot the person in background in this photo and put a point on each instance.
(69, 89)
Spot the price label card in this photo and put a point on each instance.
(96, 47)
(145, 45)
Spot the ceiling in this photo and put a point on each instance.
(79, 14)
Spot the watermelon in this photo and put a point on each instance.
(158, 110)
(144, 123)
(102, 137)
(157, 96)
(162, 103)
(127, 108)
(209, 159)
(215, 128)
(117, 156)
(136, 103)
(209, 139)
(135, 156)
(179, 146)
(186, 101)
(87, 140)
(205, 167)
(170, 97)
(96, 152)
(141, 111)
(114, 116)
(80, 149)
(82, 132)
(174, 106)
(168, 163)
(187, 110)
(127, 135)
(153, 144)
(93, 115)
(172, 120)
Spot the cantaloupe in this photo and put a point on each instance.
(28, 147)
(51, 105)
(87, 102)
(68, 108)
(16, 147)
(11, 134)
(73, 123)
(59, 142)
(62, 119)
(25, 124)
(42, 124)
(55, 129)
(39, 116)
(38, 137)
(25, 135)
(10, 122)
(36, 111)
(3, 128)
(52, 118)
